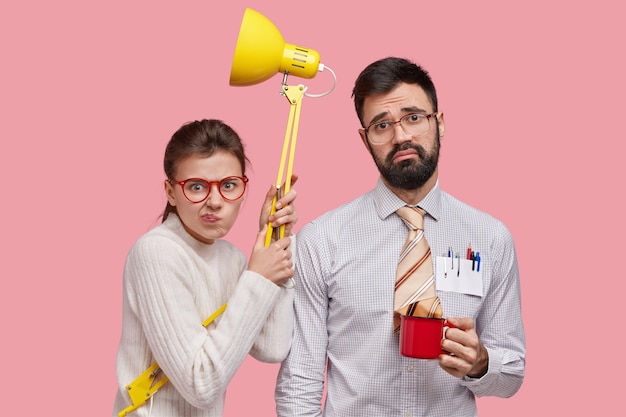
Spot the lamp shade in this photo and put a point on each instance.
(261, 52)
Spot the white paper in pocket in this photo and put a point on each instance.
(454, 274)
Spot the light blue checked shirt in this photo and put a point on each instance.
(345, 271)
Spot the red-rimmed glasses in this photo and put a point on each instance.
(196, 190)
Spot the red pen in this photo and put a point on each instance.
(469, 251)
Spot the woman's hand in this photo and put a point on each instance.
(285, 210)
(273, 261)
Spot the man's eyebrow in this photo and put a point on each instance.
(411, 109)
(378, 117)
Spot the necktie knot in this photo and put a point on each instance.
(413, 217)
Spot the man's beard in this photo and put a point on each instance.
(409, 174)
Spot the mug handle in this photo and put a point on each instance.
(447, 325)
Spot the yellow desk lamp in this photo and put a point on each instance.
(261, 52)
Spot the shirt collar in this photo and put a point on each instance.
(387, 202)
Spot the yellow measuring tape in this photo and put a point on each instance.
(146, 385)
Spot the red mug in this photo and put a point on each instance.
(420, 337)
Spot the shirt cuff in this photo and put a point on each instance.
(481, 386)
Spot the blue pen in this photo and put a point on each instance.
(477, 261)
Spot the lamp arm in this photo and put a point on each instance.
(294, 94)
(146, 385)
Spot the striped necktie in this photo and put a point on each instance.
(415, 293)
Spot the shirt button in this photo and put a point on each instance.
(407, 414)
(410, 368)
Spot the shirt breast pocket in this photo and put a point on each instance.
(456, 304)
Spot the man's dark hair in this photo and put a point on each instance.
(384, 75)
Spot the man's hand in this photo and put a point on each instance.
(466, 355)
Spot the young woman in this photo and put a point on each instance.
(181, 272)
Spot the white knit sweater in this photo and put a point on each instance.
(172, 283)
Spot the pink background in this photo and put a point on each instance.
(90, 93)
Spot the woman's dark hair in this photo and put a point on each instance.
(384, 75)
(200, 138)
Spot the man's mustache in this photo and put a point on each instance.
(418, 148)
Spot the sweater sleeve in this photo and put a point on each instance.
(274, 341)
(199, 362)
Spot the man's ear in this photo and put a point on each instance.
(441, 124)
(364, 139)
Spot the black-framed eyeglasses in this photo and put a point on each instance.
(413, 124)
(196, 190)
